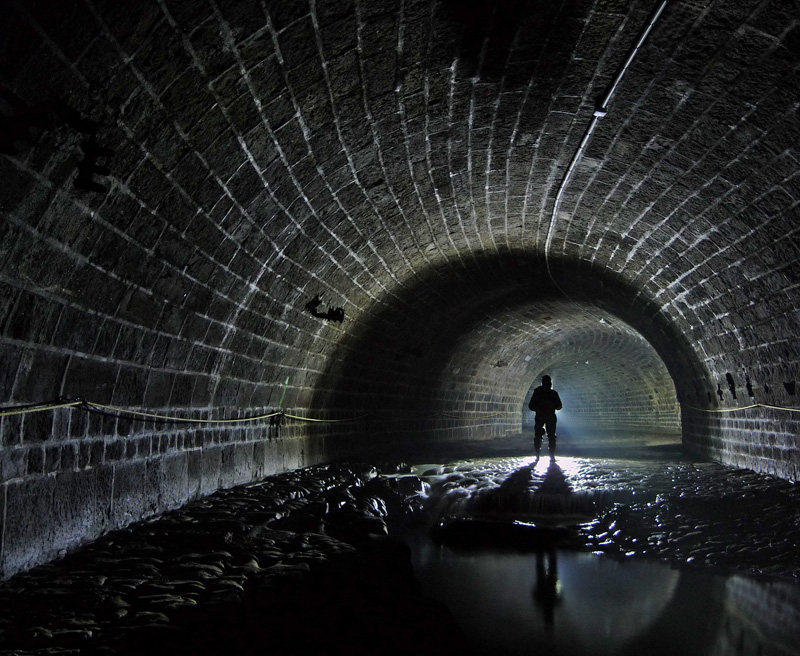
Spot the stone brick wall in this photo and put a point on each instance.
(772, 605)
(341, 207)
(69, 474)
(761, 439)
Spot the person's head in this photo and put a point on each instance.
(547, 382)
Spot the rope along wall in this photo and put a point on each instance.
(101, 408)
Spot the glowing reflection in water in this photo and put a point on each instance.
(514, 603)
(575, 604)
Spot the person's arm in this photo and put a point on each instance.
(557, 400)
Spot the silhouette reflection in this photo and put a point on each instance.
(546, 591)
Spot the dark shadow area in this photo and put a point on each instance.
(298, 564)
(489, 29)
(488, 47)
(352, 605)
(20, 127)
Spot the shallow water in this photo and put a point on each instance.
(574, 604)
(501, 568)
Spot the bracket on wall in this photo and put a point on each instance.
(331, 314)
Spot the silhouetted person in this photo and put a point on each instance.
(544, 402)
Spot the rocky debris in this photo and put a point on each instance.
(299, 563)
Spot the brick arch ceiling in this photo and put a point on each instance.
(182, 178)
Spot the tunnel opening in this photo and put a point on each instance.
(456, 356)
(616, 392)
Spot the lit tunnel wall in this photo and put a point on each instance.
(216, 211)
(612, 384)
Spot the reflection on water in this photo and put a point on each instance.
(496, 556)
(573, 604)
(545, 592)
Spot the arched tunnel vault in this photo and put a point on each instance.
(218, 210)
(457, 358)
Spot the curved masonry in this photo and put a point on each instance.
(338, 209)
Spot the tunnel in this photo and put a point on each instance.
(244, 237)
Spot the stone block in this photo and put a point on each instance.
(11, 430)
(259, 460)
(127, 502)
(159, 389)
(194, 472)
(37, 427)
(315, 450)
(227, 469)
(115, 450)
(81, 505)
(272, 462)
(42, 380)
(35, 460)
(13, 463)
(293, 452)
(243, 463)
(78, 424)
(69, 457)
(174, 481)
(29, 530)
(52, 456)
(2, 524)
(90, 379)
(211, 465)
(61, 419)
(154, 474)
(10, 355)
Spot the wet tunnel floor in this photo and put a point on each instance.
(581, 556)
(648, 552)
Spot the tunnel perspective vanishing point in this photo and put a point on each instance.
(240, 237)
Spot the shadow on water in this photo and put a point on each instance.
(534, 507)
